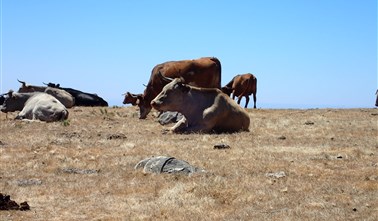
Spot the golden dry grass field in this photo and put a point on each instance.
(83, 169)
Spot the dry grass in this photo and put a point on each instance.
(329, 157)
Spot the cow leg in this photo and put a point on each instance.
(205, 124)
(25, 114)
(246, 101)
(254, 100)
(233, 96)
(197, 128)
(180, 126)
(183, 127)
(239, 99)
(18, 117)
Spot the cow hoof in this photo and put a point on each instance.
(167, 131)
(18, 117)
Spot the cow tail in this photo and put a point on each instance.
(216, 60)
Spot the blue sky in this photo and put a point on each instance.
(304, 53)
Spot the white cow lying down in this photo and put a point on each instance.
(204, 109)
(35, 106)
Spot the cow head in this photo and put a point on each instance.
(151, 91)
(12, 103)
(172, 97)
(2, 99)
(131, 98)
(52, 85)
(25, 88)
(143, 104)
(227, 90)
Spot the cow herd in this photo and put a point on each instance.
(46, 103)
(190, 87)
(193, 88)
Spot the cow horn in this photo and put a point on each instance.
(22, 82)
(166, 79)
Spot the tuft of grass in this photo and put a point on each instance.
(66, 123)
(104, 111)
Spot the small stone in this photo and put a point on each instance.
(79, 171)
(29, 182)
(277, 175)
(221, 146)
(116, 136)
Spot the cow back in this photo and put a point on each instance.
(63, 96)
(44, 107)
(203, 72)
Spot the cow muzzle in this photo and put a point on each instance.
(143, 112)
(3, 109)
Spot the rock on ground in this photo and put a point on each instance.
(164, 164)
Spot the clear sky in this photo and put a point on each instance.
(304, 53)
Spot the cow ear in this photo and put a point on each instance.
(10, 93)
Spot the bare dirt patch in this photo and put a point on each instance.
(83, 169)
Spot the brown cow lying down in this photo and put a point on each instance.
(204, 109)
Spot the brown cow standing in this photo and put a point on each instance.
(203, 72)
(242, 86)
